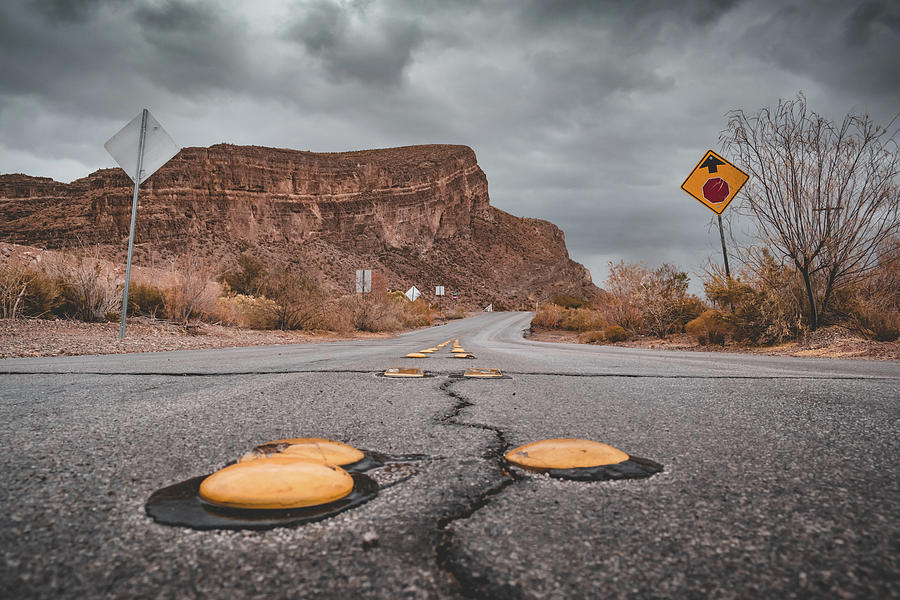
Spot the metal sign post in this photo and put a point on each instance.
(134, 199)
(724, 252)
(154, 149)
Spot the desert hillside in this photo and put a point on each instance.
(420, 215)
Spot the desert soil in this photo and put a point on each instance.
(41, 337)
(828, 342)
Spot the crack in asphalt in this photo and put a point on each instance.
(446, 559)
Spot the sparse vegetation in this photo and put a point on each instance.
(249, 312)
(87, 290)
(26, 291)
(825, 196)
(615, 333)
(145, 300)
(592, 337)
(193, 291)
(710, 328)
(548, 316)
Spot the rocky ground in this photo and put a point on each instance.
(828, 342)
(41, 337)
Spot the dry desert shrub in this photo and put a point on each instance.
(298, 299)
(417, 314)
(622, 302)
(615, 333)
(711, 327)
(764, 305)
(872, 306)
(88, 290)
(381, 312)
(246, 275)
(26, 290)
(371, 312)
(250, 312)
(193, 291)
(548, 316)
(648, 301)
(582, 319)
(145, 299)
(591, 337)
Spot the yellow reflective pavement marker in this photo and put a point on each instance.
(276, 482)
(400, 372)
(457, 350)
(483, 373)
(463, 355)
(329, 452)
(416, 355)
(565, 453)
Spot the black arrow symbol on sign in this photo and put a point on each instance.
(711, 164)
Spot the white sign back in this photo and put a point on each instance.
(413, 293)
(159, 147)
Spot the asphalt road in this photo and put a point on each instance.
(781, 475)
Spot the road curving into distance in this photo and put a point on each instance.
(780, 475)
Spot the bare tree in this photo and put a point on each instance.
(825, 195)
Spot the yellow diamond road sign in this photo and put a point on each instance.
(714, 182)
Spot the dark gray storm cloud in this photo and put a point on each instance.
(586, 113)
(351, 43)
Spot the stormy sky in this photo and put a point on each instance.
(586, 113)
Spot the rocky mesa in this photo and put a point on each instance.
(420, 215)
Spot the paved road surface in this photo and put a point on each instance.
(781, 475)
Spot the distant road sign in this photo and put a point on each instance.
(363, 281)
(158, 147)
(413, 293)
(714, 182)
(438, 290)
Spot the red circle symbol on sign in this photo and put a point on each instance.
(715, 190)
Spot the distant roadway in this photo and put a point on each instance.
(781, 474)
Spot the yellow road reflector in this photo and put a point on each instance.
(416, 355)
(485, 373)
(428, 351)
(565, 453)
(463, 355)
(400, 372)
(276, 482)
(329, 452)
(457, 350)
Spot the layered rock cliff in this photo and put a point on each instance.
(420, 215)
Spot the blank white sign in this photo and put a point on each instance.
(159, 147)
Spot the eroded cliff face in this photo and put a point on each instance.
(419, 214)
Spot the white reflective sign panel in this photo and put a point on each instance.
(438, 290)
(413, 293)
(159, 148)
(363, 281)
